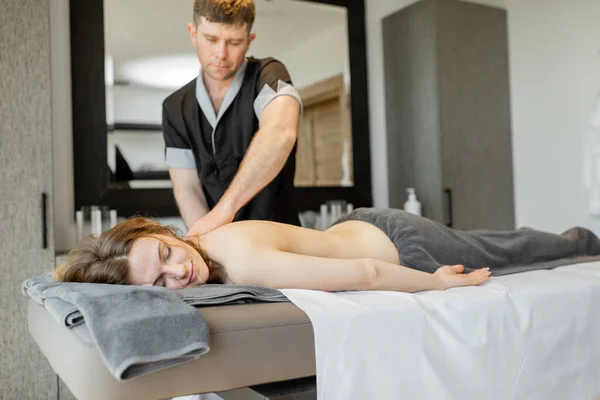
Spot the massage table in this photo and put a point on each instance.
(274, 343)
(251, 344)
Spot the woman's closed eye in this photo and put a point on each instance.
(160, 281)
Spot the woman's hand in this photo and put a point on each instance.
(452, 276)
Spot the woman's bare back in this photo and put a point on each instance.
(351, 255)
(347, 240)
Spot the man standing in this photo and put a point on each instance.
(230, 134)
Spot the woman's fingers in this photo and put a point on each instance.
(458, 268)
(454, 276)
(479, 276)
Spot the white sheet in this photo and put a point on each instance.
(533, 335)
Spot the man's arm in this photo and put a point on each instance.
(188, 195)
(264, 159)
(267, 153)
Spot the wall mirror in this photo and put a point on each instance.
(128, 56)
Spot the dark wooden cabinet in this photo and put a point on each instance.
(448, 112)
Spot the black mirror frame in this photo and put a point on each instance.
(91, 172)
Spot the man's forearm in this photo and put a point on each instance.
(192, 204)
(264, 159)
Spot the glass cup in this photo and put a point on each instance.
(93, 220)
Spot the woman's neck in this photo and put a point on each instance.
(217, 272)
(204, 243)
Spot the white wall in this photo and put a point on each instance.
(376, 10)
(319, 58)
(555, 76)
(139, 104)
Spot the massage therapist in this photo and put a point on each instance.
(230, 134)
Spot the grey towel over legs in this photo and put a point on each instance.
(426, 245)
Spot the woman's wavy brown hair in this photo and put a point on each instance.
(105, 258)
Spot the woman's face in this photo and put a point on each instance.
(165, 261)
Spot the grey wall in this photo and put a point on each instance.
(26, 165)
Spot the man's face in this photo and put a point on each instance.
(221, 47)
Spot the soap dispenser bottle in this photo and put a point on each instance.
(412, 205)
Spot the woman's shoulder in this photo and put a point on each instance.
(238, 246)
(235, 239)
(227, 236)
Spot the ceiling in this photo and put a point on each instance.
(139, 34)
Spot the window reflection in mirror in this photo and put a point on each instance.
(149, 55)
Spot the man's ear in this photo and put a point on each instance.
(251, 38)
(191, 27)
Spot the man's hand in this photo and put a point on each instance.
(218, 216)
(452, 276)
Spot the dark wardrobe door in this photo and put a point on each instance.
(448, 112)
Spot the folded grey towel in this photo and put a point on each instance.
(137, 329)
(70, 316)
(140, 329)
(215, 294)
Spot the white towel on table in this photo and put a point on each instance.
(533, 335)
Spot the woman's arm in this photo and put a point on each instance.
(282, 270)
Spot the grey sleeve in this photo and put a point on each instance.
(178, 152)
(267, 94)
(179, 158)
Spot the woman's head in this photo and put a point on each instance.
(139, 251)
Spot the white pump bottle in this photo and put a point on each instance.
(412, 205)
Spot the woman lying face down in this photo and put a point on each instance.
(370, 249)
(351, 255)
